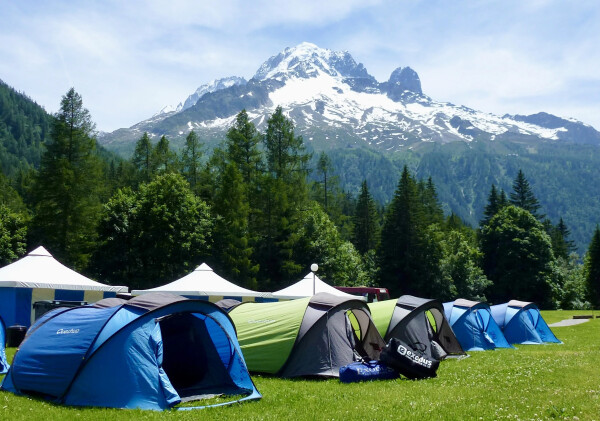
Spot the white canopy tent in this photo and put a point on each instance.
(203, 281)
(39, 269)
(309, 286)
(39, 277)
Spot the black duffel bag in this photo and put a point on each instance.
(408, 361)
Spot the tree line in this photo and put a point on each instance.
(260, 209)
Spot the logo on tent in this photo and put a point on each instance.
(66, 331)
(253, 321)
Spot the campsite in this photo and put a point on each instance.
(532, 382)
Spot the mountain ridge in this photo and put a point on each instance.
(331, 96)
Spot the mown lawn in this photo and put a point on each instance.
(529, 383)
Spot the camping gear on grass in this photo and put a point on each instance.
(361, 371)
(151, 352)
(474, 326)
(522, 323)
(419, 322)
(306, 337)
(408, 361)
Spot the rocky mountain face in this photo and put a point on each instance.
(334, 102)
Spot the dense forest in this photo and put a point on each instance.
(260, 208)
(463, 173)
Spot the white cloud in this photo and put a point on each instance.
(129, 59)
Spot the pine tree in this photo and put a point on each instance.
(522, 196)
(492, 207)
(163, 158)
(592, 269)
(283, 196)
(433, 210)
(69, 184)
(233, 242)
(404, 253)
(502, 200)
(242, 148)
(142, 158)
(366, 226)
(191, 159)
(324, 169)
(562, 245)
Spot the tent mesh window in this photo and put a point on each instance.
(191, 363)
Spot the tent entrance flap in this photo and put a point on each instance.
(196, 366)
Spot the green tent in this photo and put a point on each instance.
(312, 336)
(419, 322)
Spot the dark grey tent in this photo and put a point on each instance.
(312, 336)
(420, 322)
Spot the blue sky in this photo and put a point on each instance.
(128, 59)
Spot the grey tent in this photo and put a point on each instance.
(312, 336)
(420, 322)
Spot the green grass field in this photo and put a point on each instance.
(528, 383)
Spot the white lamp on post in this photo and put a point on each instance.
(314, 267)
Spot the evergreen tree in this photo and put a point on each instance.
(283, 196)
(324, 170)
(562, 245)
(142, 158)
(366, 226)
(163, 158)
(233, 242)
(407, 257)
(242, 148)
(592, 269)
(431, 205)
(286, 156)
(493, 206)
(502, 200)
(522, 196)
(68, 186)
(191, 159)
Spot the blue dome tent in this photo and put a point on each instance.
(474, 326)
(151, 352)
(3, 363)
(522, 323)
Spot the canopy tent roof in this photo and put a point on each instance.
(203, 281)
(40, 270)
(304, 288)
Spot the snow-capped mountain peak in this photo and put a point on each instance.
(333, 99)
(210, 87)
(306, 60)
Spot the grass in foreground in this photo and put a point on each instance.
(528, 383)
